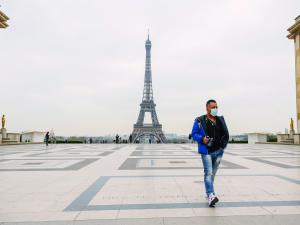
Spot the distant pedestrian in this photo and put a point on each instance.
(211, 133)
(117, 139)
(47, 138)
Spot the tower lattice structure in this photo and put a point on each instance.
(140, 129)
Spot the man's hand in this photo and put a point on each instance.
(205, 140)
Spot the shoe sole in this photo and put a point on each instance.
(213, 202)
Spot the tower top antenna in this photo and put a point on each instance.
(148, 33)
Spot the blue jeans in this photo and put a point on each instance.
(211, 163)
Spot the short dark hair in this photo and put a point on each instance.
(209, 101)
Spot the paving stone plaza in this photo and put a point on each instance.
(147, 184)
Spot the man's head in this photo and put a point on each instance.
(212, 107)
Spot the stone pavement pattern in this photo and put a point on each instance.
(147, 184)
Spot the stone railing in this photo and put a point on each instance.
(288, 138)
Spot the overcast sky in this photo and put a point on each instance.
(78, 66)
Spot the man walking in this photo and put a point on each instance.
(211, 134)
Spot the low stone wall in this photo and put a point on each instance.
(282, 137)
(256, 137)
(288, 138)
(14, 136)
(297, 139)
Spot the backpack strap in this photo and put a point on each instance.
(201, 122)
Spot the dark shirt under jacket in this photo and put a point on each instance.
(215, 131)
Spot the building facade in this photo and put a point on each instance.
(294, 34)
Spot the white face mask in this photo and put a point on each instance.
(214, 112)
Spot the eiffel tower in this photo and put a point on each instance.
(152, 131)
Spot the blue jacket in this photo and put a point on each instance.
(199, 132)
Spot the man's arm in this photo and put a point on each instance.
(225, 138)
(196, 134)
(225, 127)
